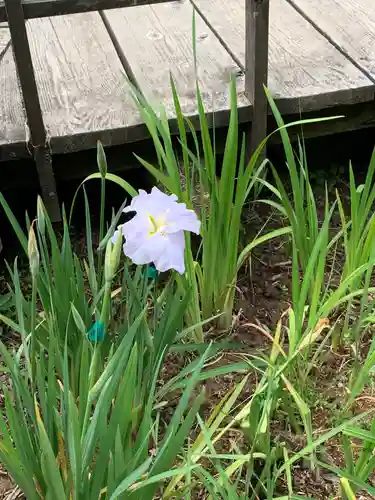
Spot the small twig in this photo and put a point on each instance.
(371, 398)
(14, 494)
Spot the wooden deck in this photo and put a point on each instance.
(321, 55)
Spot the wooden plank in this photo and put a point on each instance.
(256, 64)
(4, 38)
(12, 118)
(348, 23)
(157, 40)
(80, 80)
(46, 8)
(25, 71)
(305, 71)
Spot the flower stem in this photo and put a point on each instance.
(101, 226)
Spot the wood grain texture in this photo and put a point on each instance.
(12, 118)
(46, 8)
(84, 96)
(305, 71)
(4, 38)
(79, 76)
(349, 23)
(25, 72)
(157, 41)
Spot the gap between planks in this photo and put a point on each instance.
(156, 40)
(81, 84)
(331, 39)
(306, 72)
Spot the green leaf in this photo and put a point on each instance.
(50, 470)
(358, 433)
(116, 179)
(159, 176)
(130, 481)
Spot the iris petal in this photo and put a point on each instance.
(173, 255)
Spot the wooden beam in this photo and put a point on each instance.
(38, 140)
(46, 8)
(256, 67)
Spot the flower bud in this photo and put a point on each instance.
(33, 253)
(108, 262)
(101, 160)
(116, 255)
(112, 258)
(41, 218)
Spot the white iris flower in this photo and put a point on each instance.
(156, 232)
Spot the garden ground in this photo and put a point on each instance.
(263, 295)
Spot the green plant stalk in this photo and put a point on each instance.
(33, 344)
(346, 491)
(103, 169)
(101, 226)
(106, 307)
(357, 233)
(338, 335)
(367, 455)
(193, 312)
(358, 383)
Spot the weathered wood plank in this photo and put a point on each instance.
(157, 41)
(84, 96)
(25, 71)
(4, 38)
(348, 23)
(12, 118)
(47, 8)
(80, 80)
(305, 71)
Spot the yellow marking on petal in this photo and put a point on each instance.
(154, 225)
(158, 224)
